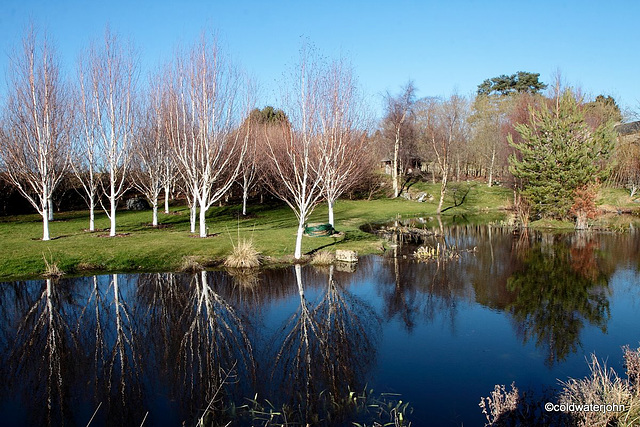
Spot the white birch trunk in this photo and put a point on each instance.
(203, 221)
(394, 172)
(443, 190)
(192, 218)
(491, 165)
(298, 251)
(245, 196)
(92, 216)
(112, 203)
(46, 205)
(155, 213)
(166, 198)
(50, 205)
(330, 204)
(45, 224)
(193, 206)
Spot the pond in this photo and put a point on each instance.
(160, 348)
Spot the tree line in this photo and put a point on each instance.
(554, 150)
(191, 128)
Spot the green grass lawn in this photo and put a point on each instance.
(144, 248)
(272, 228)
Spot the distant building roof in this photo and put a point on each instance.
(628, 128)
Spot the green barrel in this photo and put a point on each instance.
(317, 230)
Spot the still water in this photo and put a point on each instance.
(159, 348)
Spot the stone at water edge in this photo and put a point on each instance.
(346, 255)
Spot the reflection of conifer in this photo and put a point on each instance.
(554, 301)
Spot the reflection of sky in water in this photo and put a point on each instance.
(437, 346)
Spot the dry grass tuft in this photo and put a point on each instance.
(323, 257)
(191, 264)
(602, 387)
(500, 404)
(51, 269)
(436, 253)
(611, 399)
(632, 364)
(88, 266)
(244, 255)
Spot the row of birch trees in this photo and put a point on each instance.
(191, 125)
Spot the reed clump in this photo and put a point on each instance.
(436, 253)
(323, 257)
(191, 264)
(244, 255)
(618, 397)
(51, 269)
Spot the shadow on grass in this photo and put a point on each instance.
(36, 239)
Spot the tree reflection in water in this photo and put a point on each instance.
(422, 291)
(214, 339)
(159, 342)
(42, 353)
(558, 288)
(164, 297)
(325, 352)
(107, 324)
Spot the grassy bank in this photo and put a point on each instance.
(271, 227)
(144, 248)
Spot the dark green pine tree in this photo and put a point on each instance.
(558, 154)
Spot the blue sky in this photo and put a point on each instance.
(442, 45)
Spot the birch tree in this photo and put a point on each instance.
(442, 126)
(205, 112)
(85, 156)
(37, 123)
(179, 131)
(342, 137)
(112, 72)
(168, 179)
(488, 141)
(152, 150)
(250, 166)
(250, 171)
(296, 166)
(399, 117)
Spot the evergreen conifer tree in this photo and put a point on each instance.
(559, 154)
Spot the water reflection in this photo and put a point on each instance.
(415, 292)
(326, 349)
(559, 287)
(551, 285)
(109, 334)
(302, 337)
(43, 350)
(214, 340)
